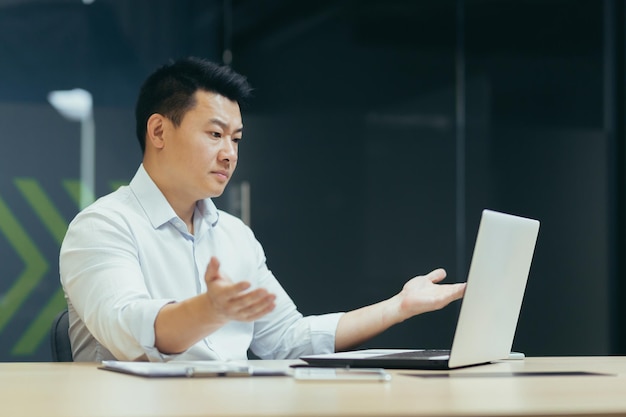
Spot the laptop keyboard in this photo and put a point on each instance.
(417, 354)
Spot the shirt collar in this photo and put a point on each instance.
(156, 206)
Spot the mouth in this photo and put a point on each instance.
(221, 175)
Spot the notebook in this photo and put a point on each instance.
(489, 311)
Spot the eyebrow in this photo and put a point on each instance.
(224, 125)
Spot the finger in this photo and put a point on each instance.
(231, 301)
(261, 312)
(227, 291)
(251, 298)
(212, 270)
(213, 276)
(448, 294)
(460, 290)
(222, 297)
(437, 275)
(257, 310)
(453, 292)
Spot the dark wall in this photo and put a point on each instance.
(535, 146)
(351, 147)
(367, 93)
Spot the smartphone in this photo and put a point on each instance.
(341, 374)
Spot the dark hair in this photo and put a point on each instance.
(170, 90)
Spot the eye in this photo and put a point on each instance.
(215, 134)
(236, 140)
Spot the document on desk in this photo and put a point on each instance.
(189, 369)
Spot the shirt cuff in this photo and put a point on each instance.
(323, 331)
(143, 329)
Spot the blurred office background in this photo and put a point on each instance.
(378, 132)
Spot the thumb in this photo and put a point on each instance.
(212, 270)
(437, 275)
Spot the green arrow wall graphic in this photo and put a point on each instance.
(39, 328)
(43, 207)
(57, 226)
(74, 188)
(35, 265)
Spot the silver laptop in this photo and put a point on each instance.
(489, 311)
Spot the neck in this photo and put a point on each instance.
(190, 224)
(181, 204)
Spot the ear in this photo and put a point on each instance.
(154, 131)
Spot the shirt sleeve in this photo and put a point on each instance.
(285, 333)
(101, 275)
(304, 336)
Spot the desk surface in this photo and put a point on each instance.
(59, 389)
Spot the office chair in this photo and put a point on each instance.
(60, 338)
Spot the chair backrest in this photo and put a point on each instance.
(60, 338)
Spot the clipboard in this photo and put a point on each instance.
(188, 369)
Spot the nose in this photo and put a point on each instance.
(229, 150)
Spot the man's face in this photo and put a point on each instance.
(202, 151)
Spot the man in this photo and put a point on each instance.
(154, 271)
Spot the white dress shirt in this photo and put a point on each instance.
(128, 254)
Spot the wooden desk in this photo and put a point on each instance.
(67, 390)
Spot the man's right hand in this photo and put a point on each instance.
(180, 325)
(232, 301)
